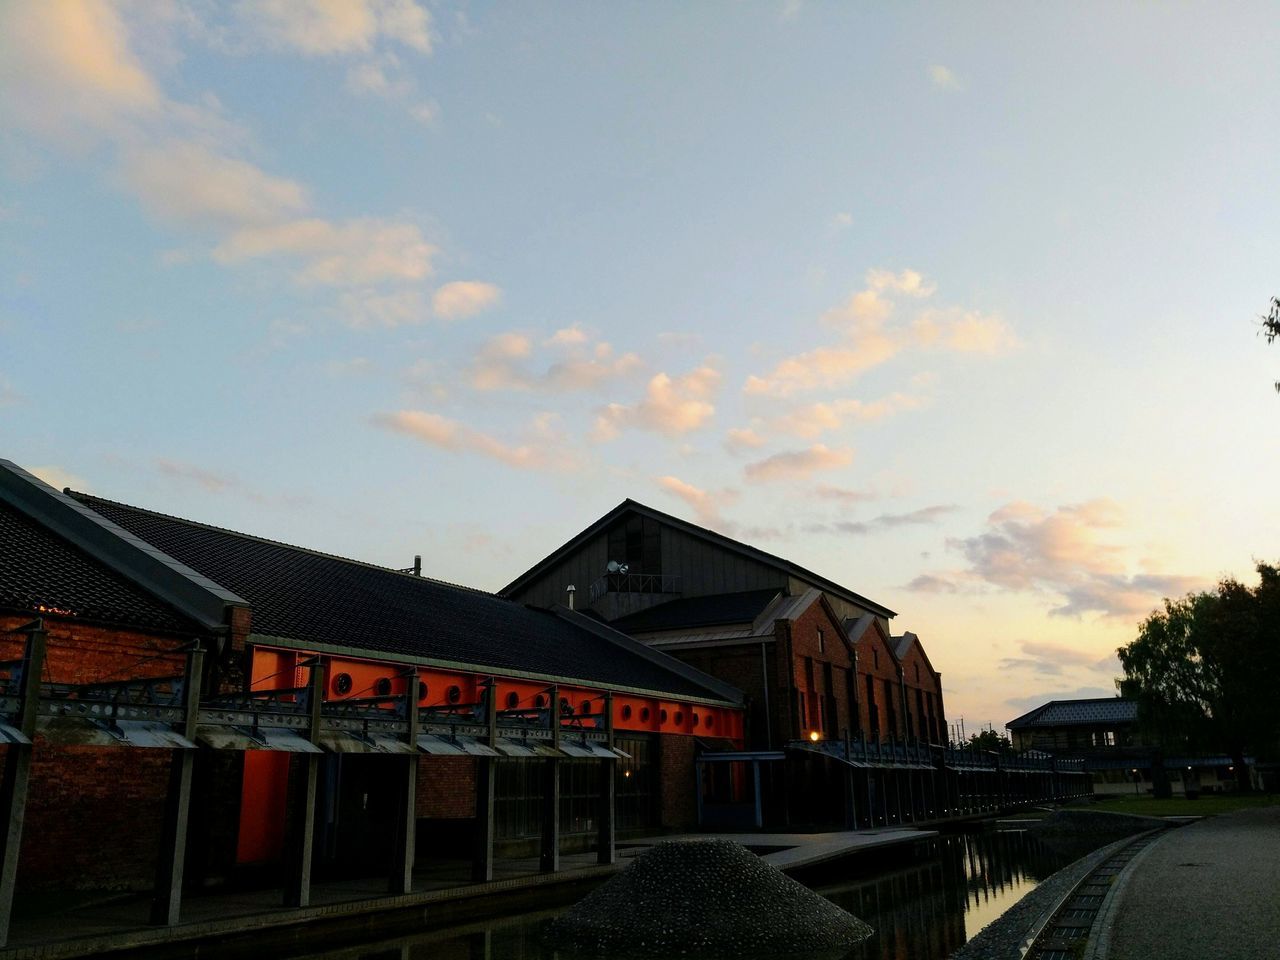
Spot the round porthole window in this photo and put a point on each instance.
(342, 684)
(382, 686)
(644, 714)
(566, 708)
(662, 716)
(679, 717)
(696, 719)
(540, 701)
(422, 690)
(454, 694)
(513, 700)
(626, 711)
(584, 706)
(711, 721)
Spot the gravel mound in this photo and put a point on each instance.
(704, 898)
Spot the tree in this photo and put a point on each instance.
(1204, 671)
(990, 740)
(1271, 326)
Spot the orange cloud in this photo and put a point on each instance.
(797, 464)
(671, 406)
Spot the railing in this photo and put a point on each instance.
(634, 583)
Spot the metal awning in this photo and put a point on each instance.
(514, 748)
(11, 734)
(971, 769)
(454, 746)
(281, 739)
(106, 732)
(348, 741)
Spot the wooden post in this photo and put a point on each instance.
(482, 858)
(298, 891)
(405, 838)
(606, 850)
(166, 901)
(549, 860)
(17, 773)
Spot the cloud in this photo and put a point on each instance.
(870, 341)
(464, 298)
(385, 78)
(59, 478)
(815, 419)
(356, 252)
(742, 439)
(908, 282)
(1063, 553)
(449, 434)
(671, 406)
(706, 504)
(368, 308)
(579, 364)
(1032, 700)
(213, 482)
(929, 583)
(328, 27)
(942, 77)
(67, 66)
(187, 182)
(842, 220)
(1051, 659)
(886, 521)
(843, 494)
(8, 395)
(963, 331)
(795, 464)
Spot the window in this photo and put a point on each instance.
(822, 643)
(637, 542)
(875, 657)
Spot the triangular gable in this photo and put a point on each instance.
(906, 642)
(856, 630)
(702, 533)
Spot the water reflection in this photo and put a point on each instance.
(924, 903)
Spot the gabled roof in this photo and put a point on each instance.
(710, 536)
(689, 612)
(317, 601)
(903, 645)
(179, 587)
(1069, 713)
(40, 573)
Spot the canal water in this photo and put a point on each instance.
(924, 902)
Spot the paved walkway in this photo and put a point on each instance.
(1211, 889)
(791, 851)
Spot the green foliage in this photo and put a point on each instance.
(1271, 326)
(990, 740)
(1204, 670)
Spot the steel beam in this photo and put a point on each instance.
(404, 841)
(549, 858)
(17, 773)
(482, 859)
(298, 890)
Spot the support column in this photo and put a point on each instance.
(166, 902)
(17, 772)
(606, 850)
(298, 891)
(404, 841)
(755, 777)
(549, 859)
(482, 858)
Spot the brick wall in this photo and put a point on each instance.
(817, 640)
(678, 804)
(920, 678)
(876, 659)
(93, 813)
(743, 668)
(446, 788)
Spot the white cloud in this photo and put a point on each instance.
(963, 331)
(370, 308)
(671, 406)
(943, 78)
(8, 395)
(579, 364)
(464, 298)
(797, 464)
(188, 182)
(908, 282)
(328, 27)
(823, 367)
(706, 504)
(842, 220)
(925, 516)
(448, 434)
(361, 251)
(742, 439)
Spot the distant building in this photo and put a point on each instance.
(1103, 733)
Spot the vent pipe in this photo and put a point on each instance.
(570, 590)
(417, 564)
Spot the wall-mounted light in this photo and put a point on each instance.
(815, 736)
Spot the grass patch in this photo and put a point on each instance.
(1207, 805)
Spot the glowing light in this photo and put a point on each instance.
(815, 736)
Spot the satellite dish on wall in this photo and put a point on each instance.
(616, 567)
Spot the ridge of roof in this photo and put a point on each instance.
(214, 528)
(197, 597)
(1032, 715)
(620, 639)
(705, 533)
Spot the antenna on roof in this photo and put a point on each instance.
(416, 569)
(616, 567)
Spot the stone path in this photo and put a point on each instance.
(1211, 889)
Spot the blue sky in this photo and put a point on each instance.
(953, 304)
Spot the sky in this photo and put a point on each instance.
(954, 304)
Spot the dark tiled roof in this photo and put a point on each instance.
(316, 598)
(708, 611)
(42, 573)
(1068, 713)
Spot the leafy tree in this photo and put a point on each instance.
(1271, 326)
(1204, 671)
(990, 740)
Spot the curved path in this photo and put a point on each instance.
(1211, 889)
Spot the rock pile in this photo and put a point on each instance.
(704, 898)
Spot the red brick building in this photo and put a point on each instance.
(329, 693)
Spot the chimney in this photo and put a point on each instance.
(417, 564)
(570, 590)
